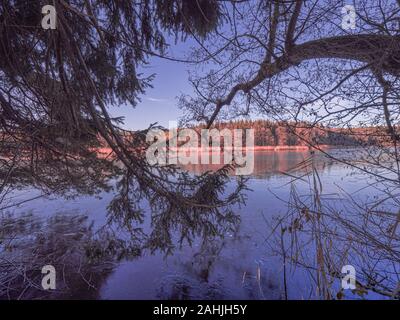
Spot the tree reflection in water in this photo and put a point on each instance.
(82, 257)
(201, 209)
(317, 235)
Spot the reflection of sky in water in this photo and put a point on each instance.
(226, 268)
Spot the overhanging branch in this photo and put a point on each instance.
(375, 50)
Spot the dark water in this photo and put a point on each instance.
(240, 265)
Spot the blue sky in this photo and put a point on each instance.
(159, 104)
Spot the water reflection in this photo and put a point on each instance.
(119, 246)
(270, 163)
(82, 257)
(136, 219)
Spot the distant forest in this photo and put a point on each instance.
(272, 133)
(266, 133)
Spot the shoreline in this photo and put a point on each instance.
(255, 148)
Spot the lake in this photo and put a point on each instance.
(246, 262)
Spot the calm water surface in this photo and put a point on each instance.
(238, 266)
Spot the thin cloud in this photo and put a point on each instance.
(156, 99)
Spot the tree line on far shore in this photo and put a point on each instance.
(277, 133)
